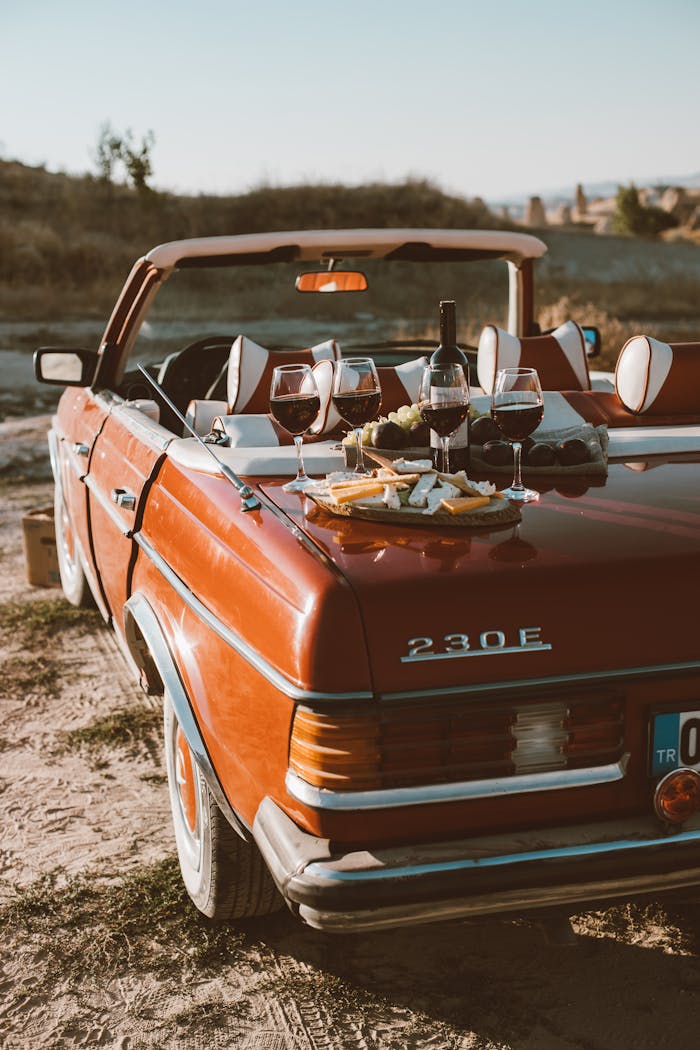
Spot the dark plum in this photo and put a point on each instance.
(483, 430)
(419, 435)
(540, 455)
(497, 453)
(573, 452)
(388, 435)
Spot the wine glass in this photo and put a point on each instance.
(295, 403)
(444, 404)
(517, 408)
(357, 397)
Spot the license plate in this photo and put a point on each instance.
(675, 742)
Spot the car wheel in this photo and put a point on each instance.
(73, 579)
(224, 875)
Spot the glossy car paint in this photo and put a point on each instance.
(285, 605)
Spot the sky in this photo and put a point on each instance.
(493, 98)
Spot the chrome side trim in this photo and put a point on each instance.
(250, 655)
(592, 678)
(138, 609)
(553, 780)
(53, 440)
(580, 852)
(142, 427)
(107, 506)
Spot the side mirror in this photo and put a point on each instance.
(331, 281)
(64, 367)
(593, 341)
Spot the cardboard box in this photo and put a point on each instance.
(39, 542)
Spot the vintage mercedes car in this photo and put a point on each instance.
(378, 723)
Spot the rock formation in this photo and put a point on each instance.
(580, 202)
(562, 216)
(534, 213)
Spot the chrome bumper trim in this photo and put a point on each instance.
(583, 851)
(592, 678)
(275, 677)
(554, 780)
(571, 866)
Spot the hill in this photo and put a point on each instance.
(67, 242)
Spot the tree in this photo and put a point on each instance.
(632, 217)
(137, 159)
(113, 151)
(107, 152)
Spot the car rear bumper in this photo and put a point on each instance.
(406, 885)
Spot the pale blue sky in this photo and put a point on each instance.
(491, 98)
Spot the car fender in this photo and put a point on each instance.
(152, 655)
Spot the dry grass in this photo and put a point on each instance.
(128, 728)
(94, 922)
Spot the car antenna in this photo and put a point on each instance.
(248, 498)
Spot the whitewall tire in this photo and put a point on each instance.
(225, 876)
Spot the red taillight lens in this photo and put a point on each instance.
(402, 745)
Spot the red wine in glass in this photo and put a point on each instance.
(445, 418)
(295, 412)
(357, 397)
(359, 407)
(295, 403)
(444, 403)
(516, 420)
(517, 408)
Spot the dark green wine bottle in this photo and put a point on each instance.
(448, 353)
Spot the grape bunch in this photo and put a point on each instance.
(398, 429)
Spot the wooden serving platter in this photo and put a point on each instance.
(498, 512)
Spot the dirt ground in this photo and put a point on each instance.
(101, 947)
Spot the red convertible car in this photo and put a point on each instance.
(381, 723)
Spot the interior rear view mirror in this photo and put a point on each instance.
(331, 281)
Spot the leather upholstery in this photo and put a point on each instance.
(560, 357)
(659, 378)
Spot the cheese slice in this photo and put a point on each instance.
(348, 495)
(464, 504)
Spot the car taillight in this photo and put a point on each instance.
(335, 752)
(402, 745)
(677, 796)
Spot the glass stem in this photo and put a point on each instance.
(360, 462)
(301, 473)
(517, 480)
(445, 454)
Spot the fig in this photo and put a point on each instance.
(572, 452)
(483, 430)
(419, 435)
(388, 435)
(540, 455)
(497, 453)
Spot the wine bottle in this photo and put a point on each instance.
(448, 353)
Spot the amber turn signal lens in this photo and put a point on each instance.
(677, 796)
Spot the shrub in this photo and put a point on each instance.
(633, 217)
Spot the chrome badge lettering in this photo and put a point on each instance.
(488, 643)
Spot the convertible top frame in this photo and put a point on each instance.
(518, 250)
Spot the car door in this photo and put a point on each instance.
(79, 418)
(127, 454)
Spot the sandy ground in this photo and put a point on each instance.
(102, 949)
